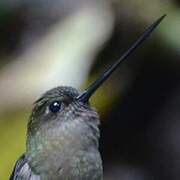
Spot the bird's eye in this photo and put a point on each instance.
(55, 106)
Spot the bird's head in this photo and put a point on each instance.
(59, 117)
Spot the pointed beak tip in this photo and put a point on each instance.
(162, 17)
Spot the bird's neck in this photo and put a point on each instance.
(50, 149)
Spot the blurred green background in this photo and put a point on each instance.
(46, 43)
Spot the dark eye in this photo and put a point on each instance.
(55, 106)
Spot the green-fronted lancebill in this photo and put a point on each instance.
(63, 132)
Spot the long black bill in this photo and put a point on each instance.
(85, 95)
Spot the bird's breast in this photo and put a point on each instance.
(65, 151)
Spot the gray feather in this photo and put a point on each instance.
(22, 170)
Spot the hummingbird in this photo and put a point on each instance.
(63, 131)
